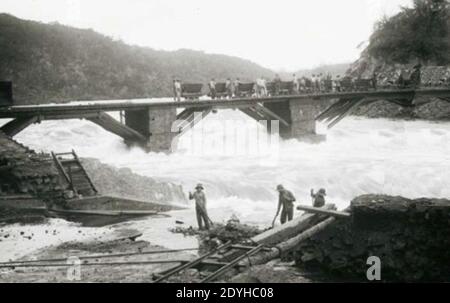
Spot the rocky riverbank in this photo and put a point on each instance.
(411, 238)
(433, 110)
(387, 76)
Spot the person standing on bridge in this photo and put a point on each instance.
(200, 207)
(338, 83)
(277, 84)
(174, 90)
(212, 88)
(319, 197)
(260, 87)
(286, 204)
(229, 88)
(415, 77)
(236, 87)
(295, 84)
(315, 85)
(177, 89)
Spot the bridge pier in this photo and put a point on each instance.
(300, 118)
(303, 122)
(155, 125)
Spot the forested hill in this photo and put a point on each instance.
(417, 34)
(54, 63)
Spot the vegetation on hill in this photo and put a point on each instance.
(420, 33)
(55, 63)
(333, 69)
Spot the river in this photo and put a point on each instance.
(407, 158)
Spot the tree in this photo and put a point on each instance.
(420, 33)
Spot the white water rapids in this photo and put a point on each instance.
(407, 158)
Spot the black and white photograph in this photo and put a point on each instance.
(225, 142)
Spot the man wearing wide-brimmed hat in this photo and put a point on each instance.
(200, 206)
(285, 204)
(319, 197)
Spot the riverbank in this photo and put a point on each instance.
(410, 237)
(104, 244)
(432, 110)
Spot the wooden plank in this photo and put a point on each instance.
(192, 263)
(107, 212)
(233, 263)
(289, 229)
(62, 171)
(271, 114)
(319, 210)
(112, 125)
(84, 172)
(17, 125)
(290, 244)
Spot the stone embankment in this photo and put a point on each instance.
(411, 238)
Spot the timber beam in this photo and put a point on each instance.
(188, 118)
(17, 125)
(112, 125)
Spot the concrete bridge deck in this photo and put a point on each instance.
(153, 123)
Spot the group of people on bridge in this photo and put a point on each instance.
(316, 83)
(285, 205)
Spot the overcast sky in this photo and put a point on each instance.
(279, 34)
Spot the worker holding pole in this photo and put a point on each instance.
(285, 204)
(200, 207)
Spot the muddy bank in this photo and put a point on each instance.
(103, 244)
(411, 238)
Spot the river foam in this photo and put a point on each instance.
(408, 158)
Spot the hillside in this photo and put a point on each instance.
(334, 69)
(420, 34)
(55, 63)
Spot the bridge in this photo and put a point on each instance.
(153, 123)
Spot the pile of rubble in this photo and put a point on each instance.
(25, 172)
(218, 234)
(411, 238)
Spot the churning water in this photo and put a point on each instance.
(408, 158)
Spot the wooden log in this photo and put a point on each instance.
(288, 245)
(317, 210)
(289, 229)
(108, 212)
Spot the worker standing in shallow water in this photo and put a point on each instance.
(286, 204)
(200, 206)
(319, 197)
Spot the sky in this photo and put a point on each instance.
(278, 34)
